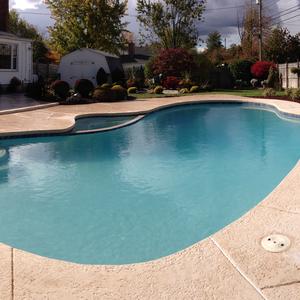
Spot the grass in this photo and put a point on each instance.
(245, 93)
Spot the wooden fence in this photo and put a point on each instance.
(289, 79)
(45, 70)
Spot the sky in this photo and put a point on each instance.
(220, 15)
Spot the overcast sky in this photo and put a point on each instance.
(220, 15)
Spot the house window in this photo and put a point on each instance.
(8, 57)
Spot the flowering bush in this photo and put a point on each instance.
(171, 83)
(261, 69)
(173, 62)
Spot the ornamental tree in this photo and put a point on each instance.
(261, 69)
(173, 62)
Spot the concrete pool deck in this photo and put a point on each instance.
(230, 264)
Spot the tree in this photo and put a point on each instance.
(276, 49)
(249, 31)
(171, 22)
(93, 24)
(214, 41)
(173, 62)
(282, 46)
(22, 28)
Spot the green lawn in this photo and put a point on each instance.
(245, 93)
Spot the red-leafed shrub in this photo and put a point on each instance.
(173, 62)
(261, 69)
(84, 87)
(61, 88)
(171, 83)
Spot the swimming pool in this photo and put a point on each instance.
(144, 191)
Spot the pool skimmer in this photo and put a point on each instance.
(276, 243)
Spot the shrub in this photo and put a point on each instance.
(106, 86)
(14, 84)
(184, 91)
(158, 90)
(102, 94)
(186, 83)
(269, 92)
(101, 77)
(295, 71)
(296, 94)
(203, 69)
(148, 71)
(119, 93)
(195, 89)
(289, 92)
(36, 90)
(136, 77)
(60, 88)
(261, 69)
(84, 87)
(273, 80)
(171, 83)
(241, 84)
(132, 90)
(118, 75)
(173, 62)
(241, 70)
(254, 82)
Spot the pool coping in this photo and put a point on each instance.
(230, 264)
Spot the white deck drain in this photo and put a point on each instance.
(276, 243)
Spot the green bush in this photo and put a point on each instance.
(273, 79)
(158, 90)
(184, 91)
(295, 71)
(84, 87)
(241, 70)
(296, 94)
(106, 86)
(132, 90)
(269, 92)
(101, 76)
(195, 89)
(101, 94)
(60, 89)
(119, 93)
(289, 93)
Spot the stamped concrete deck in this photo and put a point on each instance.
(231, 264)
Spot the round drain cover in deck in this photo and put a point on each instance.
(276, 243)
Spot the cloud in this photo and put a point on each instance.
(220, 15)
(26, 4)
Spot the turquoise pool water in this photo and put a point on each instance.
(143, 191)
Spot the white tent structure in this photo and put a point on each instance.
(85, 63)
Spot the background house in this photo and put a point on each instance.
(85, 63)
(15, 52)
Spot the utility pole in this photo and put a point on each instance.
(259, 2)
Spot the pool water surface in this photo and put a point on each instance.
(144, 191)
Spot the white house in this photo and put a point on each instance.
(15, 58)
(85, 64)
